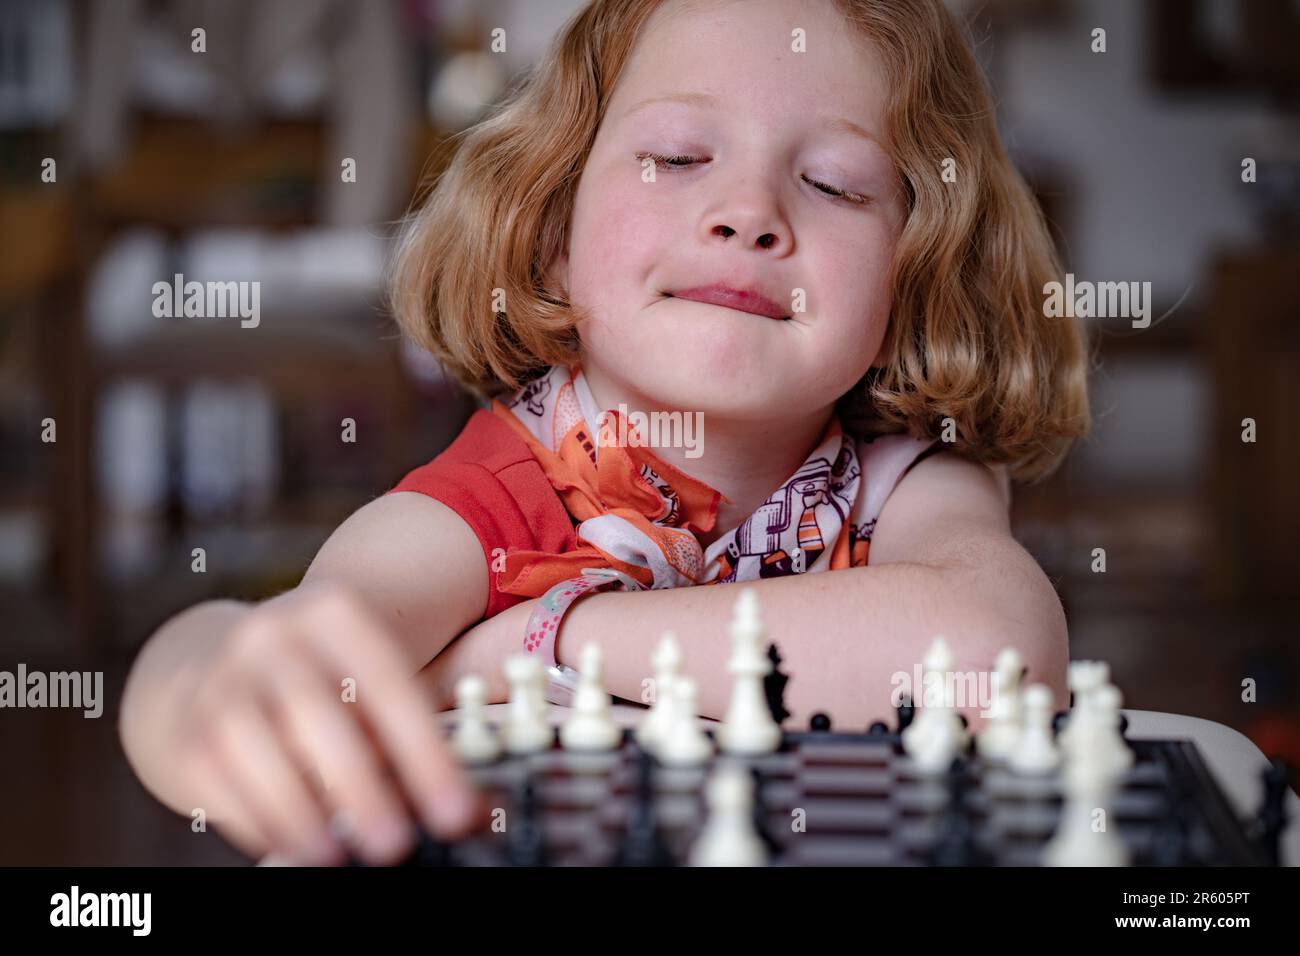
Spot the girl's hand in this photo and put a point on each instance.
(310, 712)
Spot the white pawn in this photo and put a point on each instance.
(748, 727)
(1101, 730)
(1084, 679)
(1084, 836)
(1002, 726)
(936, 713)
(685, 743)
(936, 750)
(1035, 752)
(591, 726)
(938, 657)
(728, 837)
(667, 662)
(526, 728)
(473, 739)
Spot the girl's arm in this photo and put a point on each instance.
(229, 703)
(943, 562)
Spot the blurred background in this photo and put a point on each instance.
(174, 433)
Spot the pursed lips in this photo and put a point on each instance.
(742, 300)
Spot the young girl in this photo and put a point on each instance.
(790, 222)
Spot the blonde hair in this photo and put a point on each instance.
(967, 337)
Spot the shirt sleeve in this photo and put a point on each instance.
(489, 477)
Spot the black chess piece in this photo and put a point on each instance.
(878, 728)
(1058, 722)
(957, 844)
(906, 712)
(760, 815)
(643, 842)
(429, 851)
(1271, 818)
(774, 686)
(525, 841)
(820, 722)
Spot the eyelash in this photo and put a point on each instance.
(681, 162)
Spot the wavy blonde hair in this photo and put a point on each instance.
(967, 338)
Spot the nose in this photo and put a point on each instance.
(751, 218)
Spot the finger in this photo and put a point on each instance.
(269, 782)
(222, 806)
(325, 736)
(357, 645)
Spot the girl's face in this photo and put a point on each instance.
(760, 138)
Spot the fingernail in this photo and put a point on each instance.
(453, 808)
(391, 836)
(326, 850)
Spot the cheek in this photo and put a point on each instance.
(617, 240)
(862, 292)
(617, 235)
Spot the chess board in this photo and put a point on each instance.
(840, 799)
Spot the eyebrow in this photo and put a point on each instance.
(690, 99)
(835, 124)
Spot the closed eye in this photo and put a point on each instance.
(682, 161)
(665, 162)
(838, 193)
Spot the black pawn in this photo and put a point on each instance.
(760, 815)
(820, 723)
(1271, 819)
(774, 687)
(906, 712)
(429, 851)
(526, 844)
(643, 842)
(957, 845)
(878, 729)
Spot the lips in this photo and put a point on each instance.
(742, 300)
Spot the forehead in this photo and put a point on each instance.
(741, 52)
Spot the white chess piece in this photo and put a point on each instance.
(684, 744)
(591, 726)
(1035, 752)
(1084, 679)
(938, 656)
(728, 837)
(473, 739)
(667, 663)
(936, 713)
(1100, 730)
(526, 729)
(936, 750)
(748, 727)
(1002, 725)
(1086, 834)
